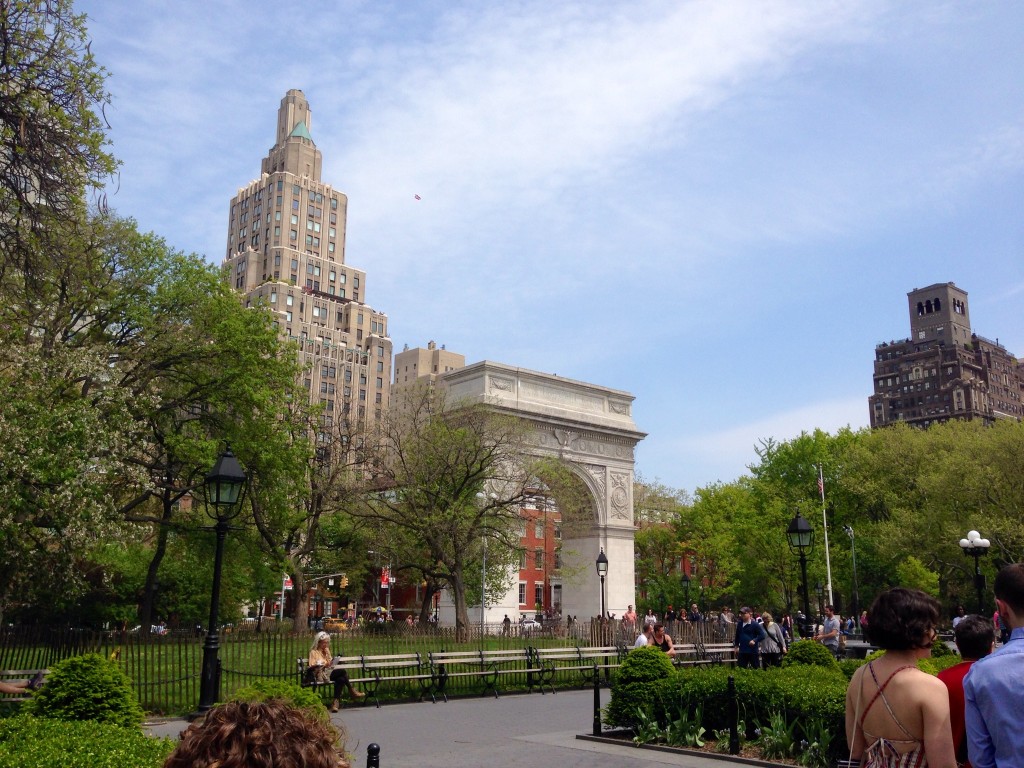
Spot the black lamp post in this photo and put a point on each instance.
(686, 590)
(855, 612)
(225, 486)
(602, 571)
(975, 546)
(801, 538)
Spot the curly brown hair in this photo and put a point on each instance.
(902, 619)
(265, 734)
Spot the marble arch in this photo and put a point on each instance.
(591, 428)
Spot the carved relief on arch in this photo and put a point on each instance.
(501, 384)
(621, 509)
(597, 474)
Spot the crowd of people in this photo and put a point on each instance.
(759, 640)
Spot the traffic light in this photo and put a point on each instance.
(344, 582)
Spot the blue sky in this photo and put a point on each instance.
(717, 206)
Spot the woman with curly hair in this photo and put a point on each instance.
(896, 715)
(265, 734)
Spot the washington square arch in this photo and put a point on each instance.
(590, 428)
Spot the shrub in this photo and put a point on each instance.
(30, 742)
(849, 666)
(932, 665)
(634, 684)
(940, 650)
(292, 694)
(86, 687)
(810, 653)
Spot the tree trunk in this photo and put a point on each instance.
(300, 621)
(149, 589)
(427, 605)
(461, 613)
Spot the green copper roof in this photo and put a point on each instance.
(301, 131)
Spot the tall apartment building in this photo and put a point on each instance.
(286, 249)
(944, 370)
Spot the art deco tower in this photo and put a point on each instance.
(286, 249)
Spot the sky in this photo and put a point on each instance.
(718, 207)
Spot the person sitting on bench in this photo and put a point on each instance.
(18, 687)
(321, 663)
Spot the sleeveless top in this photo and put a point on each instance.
(664, 646)
(883, 752)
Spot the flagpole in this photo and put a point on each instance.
(824, 522)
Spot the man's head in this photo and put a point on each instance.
(1009, 589)
(629, 608)
(693, 607)
(648, 629)
(745, 613)
(830, 611)
(974, 637)
(659, 629)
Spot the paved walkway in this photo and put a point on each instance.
(516, 730)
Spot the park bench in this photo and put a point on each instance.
(700, 653)
(14, 676)
(488, 666)
(369, 672)
(586, 660)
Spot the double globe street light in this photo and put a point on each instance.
(976, 547)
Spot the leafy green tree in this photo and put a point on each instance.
(451, 475)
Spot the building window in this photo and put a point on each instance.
(522, 593)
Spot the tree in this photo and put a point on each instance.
(451, 475)
(61, 433)
(52, 142)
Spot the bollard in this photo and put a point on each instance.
(734, 716)
(373, 756)
(597, 703)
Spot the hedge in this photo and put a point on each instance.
(31, 742)
(806, 694)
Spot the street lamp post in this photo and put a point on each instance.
(225, 486)
(686, 590)
(801, 538)
(975, 546)
(602, 571)
(856, 596)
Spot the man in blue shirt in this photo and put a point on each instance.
(992, 689)
(749, 635)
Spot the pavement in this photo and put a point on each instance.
(527, 730)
